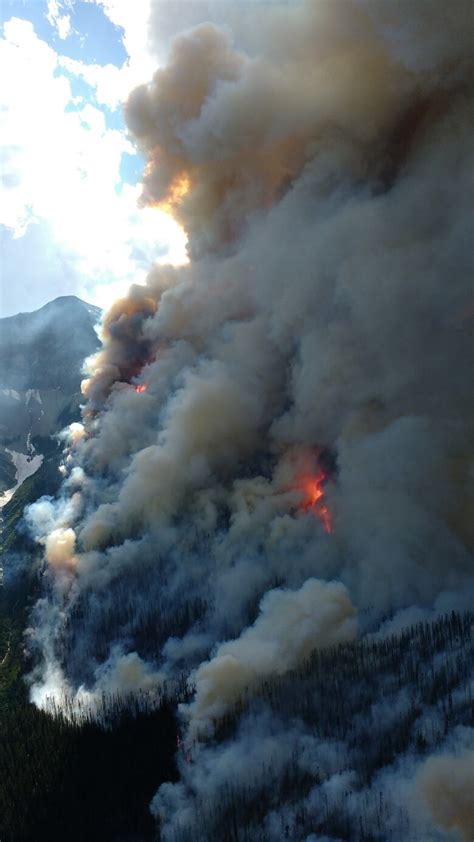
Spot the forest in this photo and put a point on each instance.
(65, 775)
(366, 708)
(69, 774)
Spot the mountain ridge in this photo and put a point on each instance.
(46, 347)
(49, 304)
(41, 358)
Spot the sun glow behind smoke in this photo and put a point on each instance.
(177, 191)
(170, 228)
(176, 235)
(312, 487)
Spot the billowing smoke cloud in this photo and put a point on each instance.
(291, 624)
(284, 421)
(446, 784)
(60, 544)
(240, 130)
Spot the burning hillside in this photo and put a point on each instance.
(324, 184)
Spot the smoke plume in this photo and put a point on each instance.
(446, 784)
(283, 422)
(288, 629)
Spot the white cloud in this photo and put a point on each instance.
(134, 19)
(61, 164)
(62, 23)
(110, 83)
(113, 84)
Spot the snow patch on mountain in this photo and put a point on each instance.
(25, 466)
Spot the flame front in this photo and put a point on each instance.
(141, 387)
(312, 488)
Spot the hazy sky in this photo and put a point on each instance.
(69, 176)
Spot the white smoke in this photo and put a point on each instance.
(446, 784)
(290, 626)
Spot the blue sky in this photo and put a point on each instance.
(69, 220)
(93, 37)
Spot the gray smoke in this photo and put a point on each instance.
(286, 420)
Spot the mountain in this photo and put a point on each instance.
(45, 349)
(41, 359)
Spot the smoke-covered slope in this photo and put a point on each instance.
(342, 750)
(41, 359)
(45, 349)
(277, 444)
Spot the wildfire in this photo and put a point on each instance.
(141, 387)
(313, 490)
(178, 190)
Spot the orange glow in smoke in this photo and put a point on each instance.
(141, 387)
(179, 188)
(313, 491)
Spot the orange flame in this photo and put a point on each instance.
(141, 387)
(179, 188)
(313, 490)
